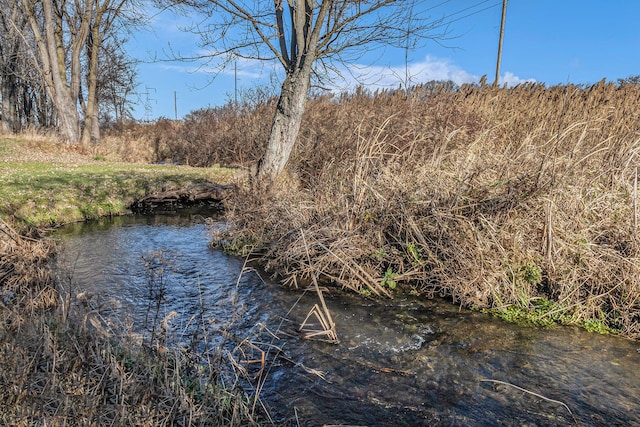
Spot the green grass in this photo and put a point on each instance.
(6, 147)
(546, 314)
(42, 193)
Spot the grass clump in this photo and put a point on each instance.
(60, 372)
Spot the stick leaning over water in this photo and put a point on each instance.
(323, 315)
(527, 391)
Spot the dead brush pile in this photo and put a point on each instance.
(522, 200)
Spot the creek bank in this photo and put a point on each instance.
(45, 185)
(121, 382)
(206, 193)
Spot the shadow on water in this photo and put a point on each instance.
(399, 362)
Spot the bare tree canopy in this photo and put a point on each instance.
(58, 45)
(284, 30)
(300, 35)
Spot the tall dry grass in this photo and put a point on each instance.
(231, 135)
(492, 197)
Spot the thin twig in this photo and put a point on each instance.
(528, 391)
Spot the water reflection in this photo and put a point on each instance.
(400, 362)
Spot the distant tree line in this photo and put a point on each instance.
(63, 66)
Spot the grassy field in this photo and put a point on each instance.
(42, 184)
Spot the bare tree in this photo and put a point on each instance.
(63, 41)
(59, 31)
(21, 88)
(306, 37)
(11, 66)
(105, 17)
(116, 82)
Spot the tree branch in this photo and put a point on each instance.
(281, 36)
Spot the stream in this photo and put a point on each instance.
(404, 361)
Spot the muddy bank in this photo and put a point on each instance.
(204, 194)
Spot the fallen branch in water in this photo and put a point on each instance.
(528, 391)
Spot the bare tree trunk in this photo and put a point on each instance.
(27, 112)
(43, 113)
(9, 70)
(286, 124)
(68, 120)
(9, 91)
(52, 65)
(91, 131)
(61, 94)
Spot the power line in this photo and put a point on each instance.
(468, 8)
(436, 6)
(457, 12)
(444, 24)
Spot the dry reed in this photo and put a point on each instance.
(493, 197)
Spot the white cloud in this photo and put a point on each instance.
(431, 68)
(379, 77)
(212, 65)
(252, 69)
(511, 79)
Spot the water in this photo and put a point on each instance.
(399, 362)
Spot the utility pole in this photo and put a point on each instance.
(235, 82)
(175, 103)
(504, 18)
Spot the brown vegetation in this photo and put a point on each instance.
(521, 200)
(504, 199)
(61, 364)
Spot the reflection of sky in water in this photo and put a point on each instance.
(124, 268)
(6, 295)
(400, 362)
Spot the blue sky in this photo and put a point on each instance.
(550, 41)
